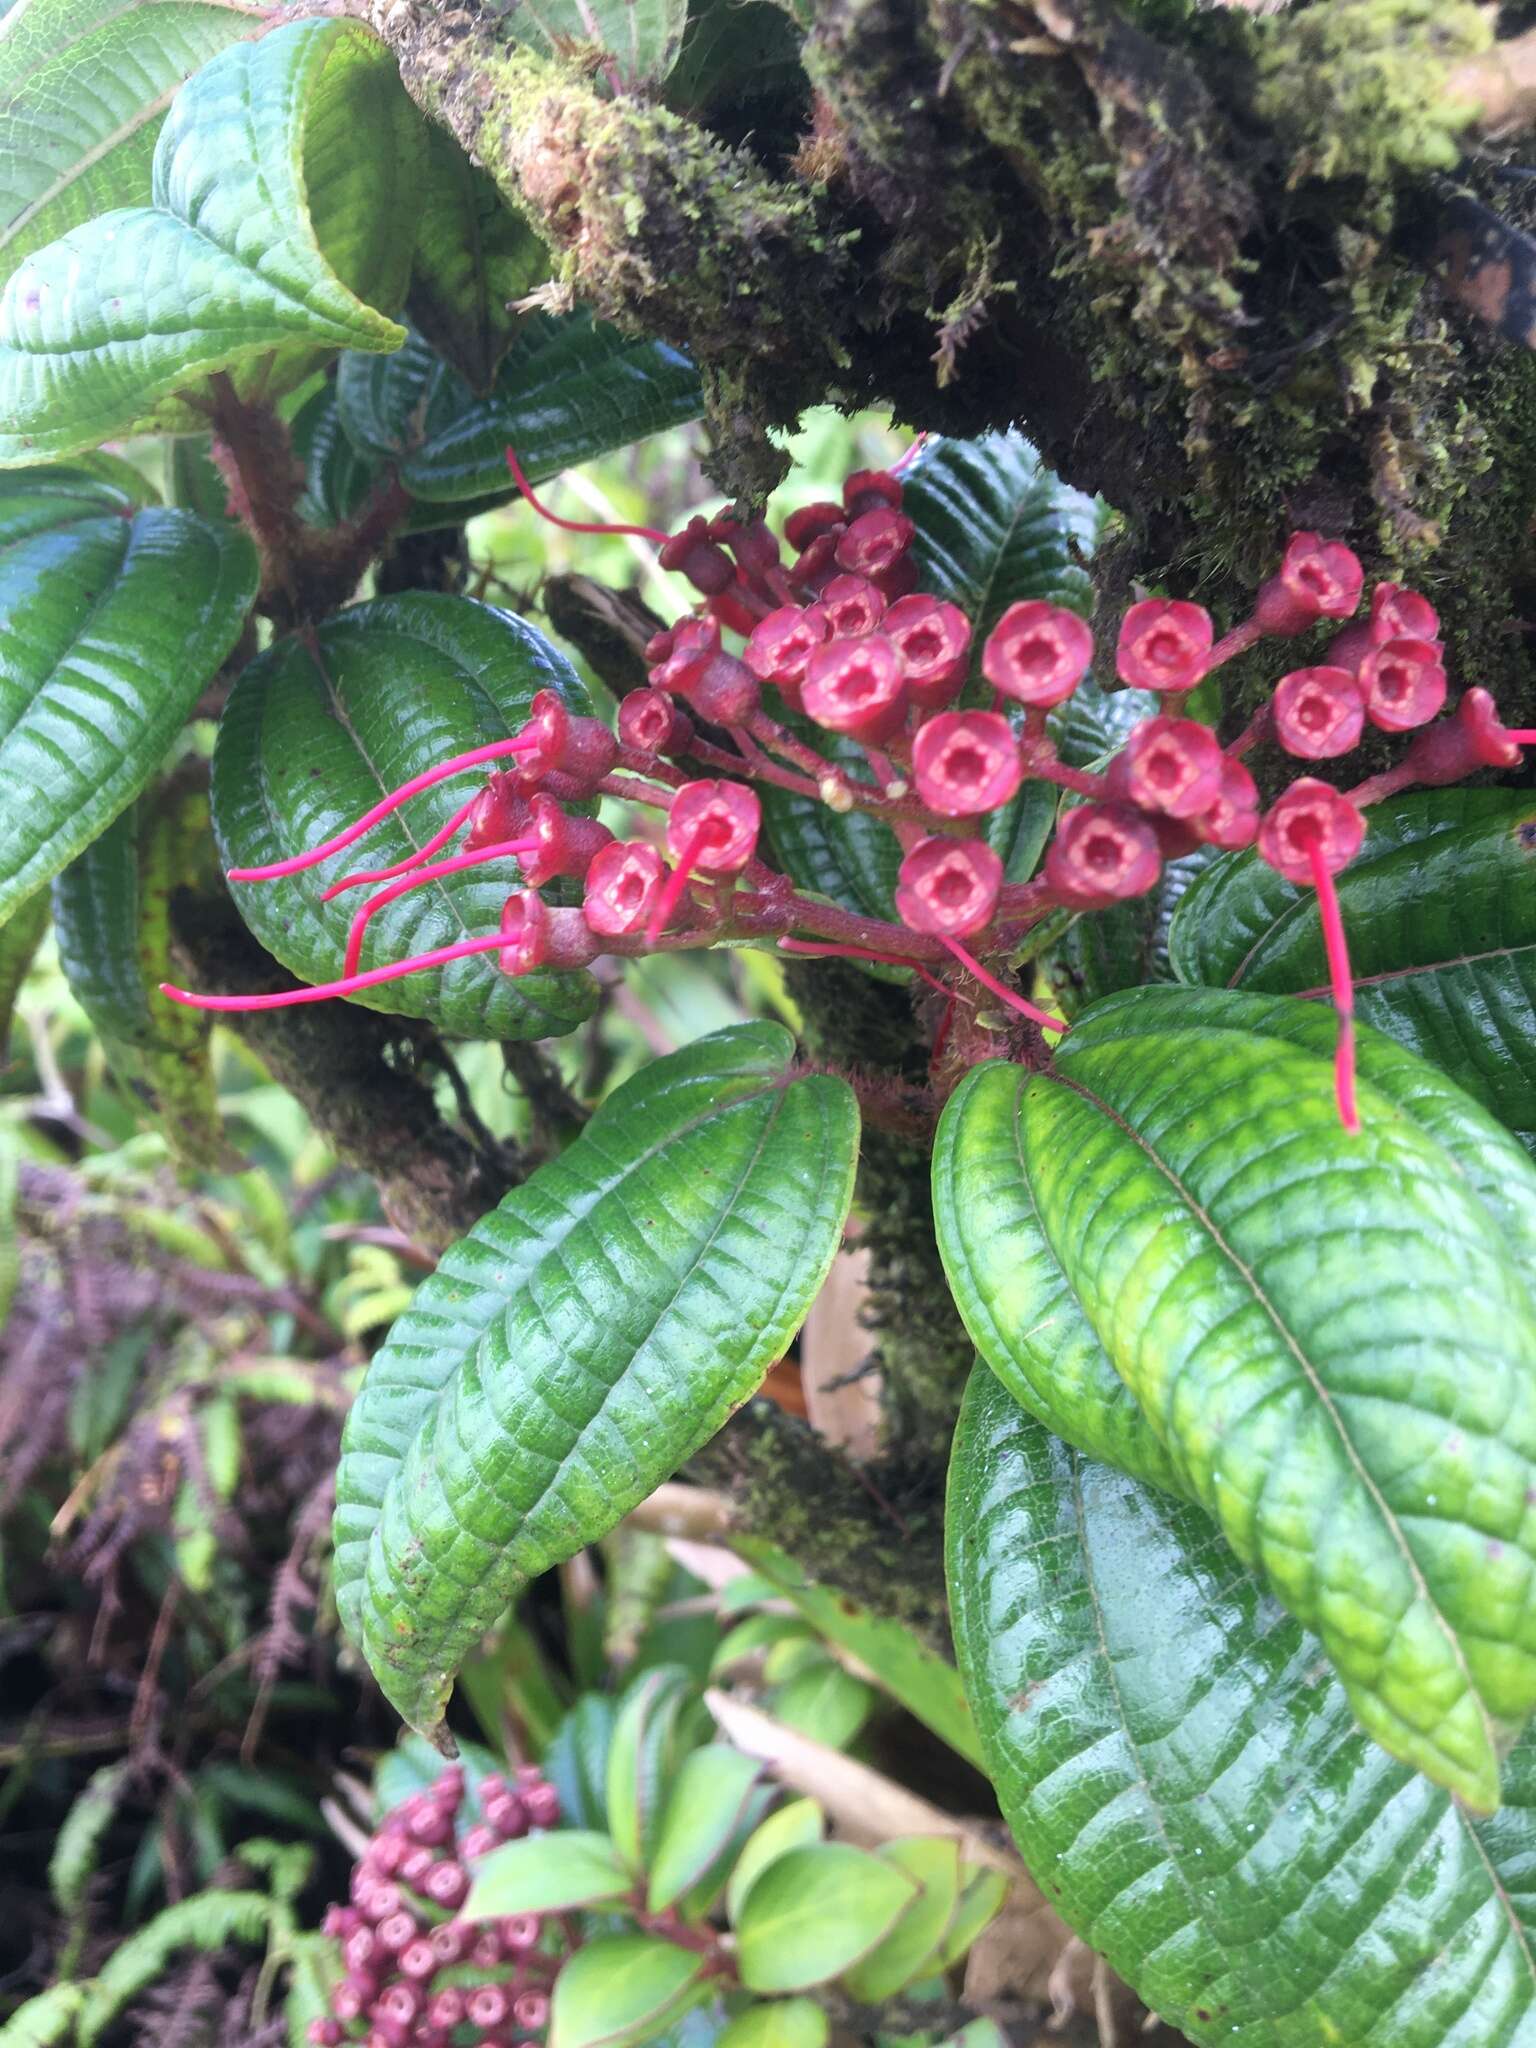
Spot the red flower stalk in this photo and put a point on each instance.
(857, 687)
(712, 826)
(1403, 683)
(811, 521)
(780, 646)
(1318, 712)
(1164, 644)
(934, 641)
(511, 849)
(1471, 738)
(1172, 765)
(948, 887)
(1233, 819)
(829, 949)
(965, 762)
(738, 608)
(581, 749)
(558, 844)
(623, 884)
(1037, 653)
(534, 936)
(1317, 579)
(435, 844)
(852, 606)
(518, 746)
(1309, 834)
(875, 542)
(651, 722)
(694, 554)
(1102, 854)
(868, 489)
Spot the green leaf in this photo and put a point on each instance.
(1104, 951)
(474, 256)
(786, 2023)
(272, 238)
(576, 1761)
(48, 2019)
(413, 1765)
(909, 1951)
(794, 1826)
(318, 729)
(112, 913)
(641, 37)
(739, 70)
(1332, 1335)
(648, 1741)
(1185, 1780)
(825, 1702)
(981, 1900)
(84, 86)
(751, 1637)
(76, 1851)
(569, 388)
(814, 1912)
(702, 1812)
(314, 1971)
(1440, 910)
(20, 936)
(618, 1306)
(620, 1990)
(549, 1873)
(115, 620)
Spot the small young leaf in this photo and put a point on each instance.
(795, 1826)
(825, 1702)
(910, 1949)
(981, 1900)
(272, 239)
(641, 1757)
(20, 936)
(620, 1990)
(576, 1761)
(551, 1873)
(640, 37)
(474, 256)
(814, 1912)
(701, 1814)
(751, 1637)
(785, 2023)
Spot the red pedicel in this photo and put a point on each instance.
(1310, 814)
(534, 936)
(933, 639)
(738, 608)
(1164, 644)
(779, 647)
(623, 883)
(858, 687)
(1037, 653)
(875, 542)
(852, 606)
(1172, 765)
(868, 489)
(563, 845)
(1317, 579)
(651, 722)
(714, 826)
(964, 762)
(1233, 819)
(1101, 854)
(948, 886)
(1403, 683)
(694, 554)
(1471, 738)
(1318, 712)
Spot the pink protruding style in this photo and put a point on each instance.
(575, 525)
(511, 849)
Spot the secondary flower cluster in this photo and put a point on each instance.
(416, 1977)
(833, 634)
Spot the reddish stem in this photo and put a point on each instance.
(1044, 764)
(1343, 986)
(826, 950)
(348, 985)
(974, 967)
(1233, 643)
(507, 849)
(1252, 732)
(576, 525)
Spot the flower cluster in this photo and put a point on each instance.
(415, 1976)
(827, 629)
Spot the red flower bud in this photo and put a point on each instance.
(934, 641)
(446, 2008)
(347, 2001)
(852, 606)
(1172, 765)
(752, 542)
(779, 647)
(417, 1960)
(506, 1813)
(651, 722)
(1317, 579)
(487, 2006)
(817, 565)
(875, 542)
(415, 1867)
(359, 1949)
(1233, 819)
(398, 1932)
(535, 936)
(399, 2002)
(738, 608)
(1101, 854)
(1403, 683)
(478, 1842)
(1037, 653)
(1318, 712)
(713, 826)
(566, 846)
(542, 1800)
(948, 886)
(531, 2010)
(519, 1933)
(692, 553)
(485, 1952)
(447, 1884)
(866, 489)
(1471, 738)
(622, 886)
(857, 687)
(1399, 614)
(449, 1941)
(964, 762)
(580, 748)
(1310, 814)
(1164, 644)
(723, 690)
(690, 643)
(811, 521)
(388, 1852)
(325, 2033)
(382, 1901)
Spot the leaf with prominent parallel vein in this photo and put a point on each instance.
(569, 388)
(111, 909)
(272, 238)
(474, 257)
(641, 37)
(114, 621)
(1182, 1774)
(1440, 909)
(1333, 1335)
(581, 1342)
(317, 730)
(84, 86)
(20, 936)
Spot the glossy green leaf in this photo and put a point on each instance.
(620, 1990)
(739, 70)
(794, 1826)
(641, 38)
(272, 239)
(826, 1702)
(814, 1912)
(1334, 1337)
(910, 1950)
(781, 2023)
(576, 1761)
(582, 1341)
(114, 621)
(648, 1740)
(84, 86)
(703, 1809)
(1185, 1780)
(981, 1899)
(318, 729)
(550, 1873)
(1440, 909)
(568, 389)
(20, 936)
(112, 914)
(1104, 951)
(474, 258)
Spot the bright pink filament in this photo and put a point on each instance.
(412, 860)
(1524, 738)
(428, 779)
(349, 984)
(508, 849)
(974, 968)
(1342, 983)
(826, 950)
(677, 882)
(575, 525)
